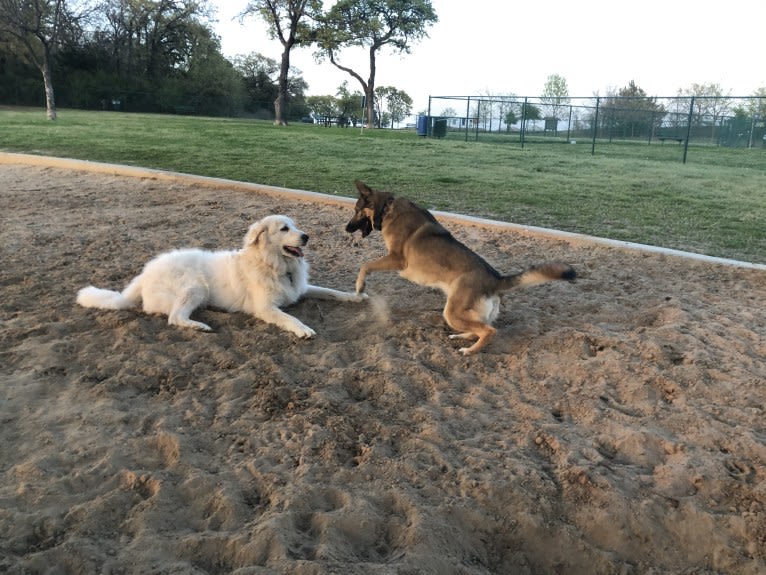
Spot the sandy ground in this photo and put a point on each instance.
(615, 425)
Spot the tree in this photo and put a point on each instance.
(510, 119)
(756, 105)
(529, 112)
(153, 37)
(215, 82)
(324, 108)
(397, 104)
(160, 56)
(37, 29)
(710, 104)
(258, 73)
(372, 24)
(555, 96)
(631, 113)
(507, 108)
(349, 104)
(287, 20)
(483, 112)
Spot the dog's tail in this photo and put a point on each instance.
(107, 299)
(538, 275)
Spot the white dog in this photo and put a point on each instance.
(267, 273)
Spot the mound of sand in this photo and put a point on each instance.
(615, 425)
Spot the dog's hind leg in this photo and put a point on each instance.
(466, 335)
(466, 321)
(184, 305)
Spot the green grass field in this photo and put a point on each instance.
(714, 204)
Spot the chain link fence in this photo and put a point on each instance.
(684, 122)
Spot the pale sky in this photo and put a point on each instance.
(504, 47)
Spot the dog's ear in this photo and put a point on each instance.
(364, 190)
(254, 234)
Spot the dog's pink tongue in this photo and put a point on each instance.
(296, 251)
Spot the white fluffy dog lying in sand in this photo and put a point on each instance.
(267, 273)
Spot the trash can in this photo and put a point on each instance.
(422, 125)
(440, 128)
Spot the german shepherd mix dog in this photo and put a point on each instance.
(425, 253)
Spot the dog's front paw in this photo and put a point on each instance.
(190, 323)
(360, 296)
(360, 285)
(304, 332)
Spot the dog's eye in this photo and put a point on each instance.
(284, 229)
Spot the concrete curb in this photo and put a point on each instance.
(136, 172)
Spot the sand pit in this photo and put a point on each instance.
(615, 425)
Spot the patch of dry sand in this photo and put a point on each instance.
(615, 425)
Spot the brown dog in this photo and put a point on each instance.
(427, 254)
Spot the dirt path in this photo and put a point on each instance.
(615, 425)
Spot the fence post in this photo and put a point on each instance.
(688, 127)
(523, 122)
(752, 130)
(467, 114)
(428, 119)
(595, 128)
(476, 123)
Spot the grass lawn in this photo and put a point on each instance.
(714, 204)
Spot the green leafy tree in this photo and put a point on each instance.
(529, 112)
(154, 52)
(372, 24)
(507, 108)
(510, 119)
(630, 113)
(154, 37)
(395, 104)
(140, 55)
(289, 22)
(349, 105)
(36, 30)
(211, 81)
(555, 97)
(323, 108)
(260, 76)
(258, 73)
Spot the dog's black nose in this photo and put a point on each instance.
(305, 239)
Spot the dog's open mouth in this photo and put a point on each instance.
(294, 251)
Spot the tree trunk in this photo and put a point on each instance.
(279, 103)
(50, 99)
(370, 90)
(370, 112)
